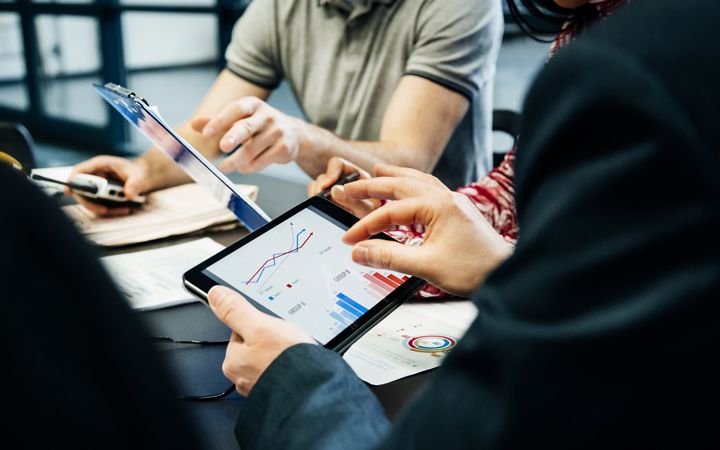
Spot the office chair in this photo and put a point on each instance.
(505, 121)
(15, 140)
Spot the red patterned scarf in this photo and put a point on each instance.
(595, 11)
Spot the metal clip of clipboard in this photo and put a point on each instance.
(125, 92)
(136, 110)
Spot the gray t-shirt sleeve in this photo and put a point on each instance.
(252, 53)
(456, 43)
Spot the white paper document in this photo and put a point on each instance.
(169, 212)
(416, 337)
(152, 279)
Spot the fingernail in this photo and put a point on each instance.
(360, 254)
(230, 142)
(338, 192)
(208, 131)
(214, 294)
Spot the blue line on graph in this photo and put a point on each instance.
(352, 302)
(337, 317)
(348, 308)
(275, 255)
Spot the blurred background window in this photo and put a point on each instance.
(52, 51)
(169, 51)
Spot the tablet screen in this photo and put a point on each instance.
(302, 272)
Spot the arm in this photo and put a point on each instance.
(309, 398)
(596, 312)
(417, 124)
(154, 170)
(295, 389)
(252, 72)
(451, 63)
(163, 172)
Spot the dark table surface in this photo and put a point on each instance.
(198, 368)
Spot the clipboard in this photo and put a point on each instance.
(147, 119)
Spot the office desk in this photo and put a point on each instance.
(198, 368)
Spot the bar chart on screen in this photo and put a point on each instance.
(379, 285)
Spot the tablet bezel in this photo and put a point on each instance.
(199, 284)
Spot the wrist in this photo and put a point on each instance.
(313, 144)
(308, 138)
(148, 167)
(496, 255)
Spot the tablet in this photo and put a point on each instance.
(297, 268)
(147, 119)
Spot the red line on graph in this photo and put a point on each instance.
(277, 256)
(395, 279)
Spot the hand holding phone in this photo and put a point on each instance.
(103, 191)
(100, 190)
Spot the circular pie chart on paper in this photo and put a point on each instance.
(430, 343)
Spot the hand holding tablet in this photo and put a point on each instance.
(257, 338)
(297, 268)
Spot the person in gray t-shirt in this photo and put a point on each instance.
(404, 82)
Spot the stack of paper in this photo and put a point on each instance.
(414, 338)
(152, 279)
(168, 212)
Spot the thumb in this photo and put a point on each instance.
(359, 208)
(233, 310)
(199, 123)
(135, 184)
(389, 255)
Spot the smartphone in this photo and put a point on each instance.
(99, 189)
(103, 191)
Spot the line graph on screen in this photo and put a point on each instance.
(298, 242)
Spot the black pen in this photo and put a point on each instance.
(348, 179)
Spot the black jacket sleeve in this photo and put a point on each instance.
(309, 398)
(78, 369)
(601, 331)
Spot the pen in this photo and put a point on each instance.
(348, 179)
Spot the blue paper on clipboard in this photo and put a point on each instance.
(147, 119)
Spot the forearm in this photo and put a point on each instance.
(319, 145)
(227, 87)
(163, 171)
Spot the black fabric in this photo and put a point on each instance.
(78, 369)
(302, 400)
(602, 330)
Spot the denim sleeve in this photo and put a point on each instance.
(310, 398)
